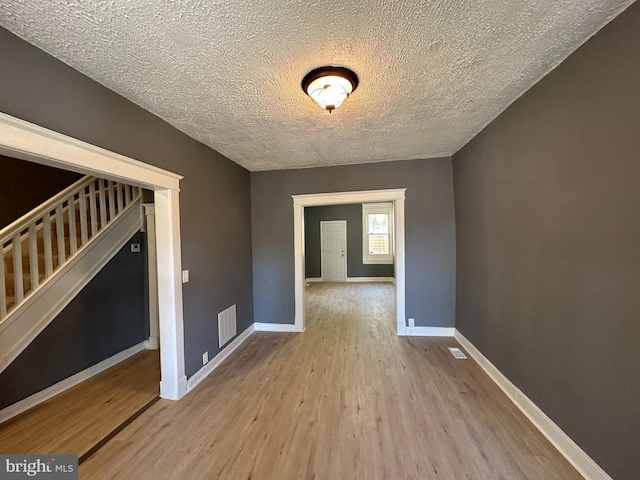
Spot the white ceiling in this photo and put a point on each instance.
(432, 73)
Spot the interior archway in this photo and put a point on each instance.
(396, 196)
(27, 141)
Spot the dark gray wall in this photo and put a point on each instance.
(107, 317)
(25, 185)
(429, 227)
(548, 259)
(215, 193)
(352, 214)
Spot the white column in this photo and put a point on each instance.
(298, 245)
(173, 384)
(400, 266)
(154, 321)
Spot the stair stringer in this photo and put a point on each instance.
(23, 324)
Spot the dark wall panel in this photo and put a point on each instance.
(25, 185)
(429, 232)
(548, 226)
(352, 214)
(107, 317)
(215, 193)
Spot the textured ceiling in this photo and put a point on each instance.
(432, 73)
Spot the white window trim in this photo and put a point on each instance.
(372, 259)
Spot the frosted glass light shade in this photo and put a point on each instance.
(329, 92)
(329, 87)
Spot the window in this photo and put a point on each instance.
(377, 230)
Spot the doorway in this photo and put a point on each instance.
(27, 141)
(396, 196)
(333, 250)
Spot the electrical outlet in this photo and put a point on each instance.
(135, 247)
(185, 276)
(205, 358)
(412, 322)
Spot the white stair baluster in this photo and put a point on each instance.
(111, 199)
(3, 286)
(48, 249)
(73, 236)
(120, 201)
(60, 235)
(17, 267)
(33, 257)
(103, 203)
(84, 234)
(127, 195)
(92, 209)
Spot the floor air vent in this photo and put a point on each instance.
(226, 325)
(457, 353)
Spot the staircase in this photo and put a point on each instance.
(53, 251)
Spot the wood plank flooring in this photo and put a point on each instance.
(347, 399)
(77, 419)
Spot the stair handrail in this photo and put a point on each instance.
(23, 222)
(99, 202)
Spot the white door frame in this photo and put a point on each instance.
(343, 222)
(153, 343)
(27, 141)
(396, 196)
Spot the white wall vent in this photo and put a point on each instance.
(226, 325)
(457, 353)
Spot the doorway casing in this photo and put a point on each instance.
(27, 141)
(397, 196)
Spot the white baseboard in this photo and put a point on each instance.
(582, 462)
(152, 344)
(429, 331)
(275, 327)
(370, 279)
(356, 279)
(37, 398)
(218, 359)
(181, 389)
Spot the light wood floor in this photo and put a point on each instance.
(77, 419)
(347, 399)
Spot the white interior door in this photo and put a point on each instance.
(334, 251)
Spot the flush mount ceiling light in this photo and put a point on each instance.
(329, 86)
